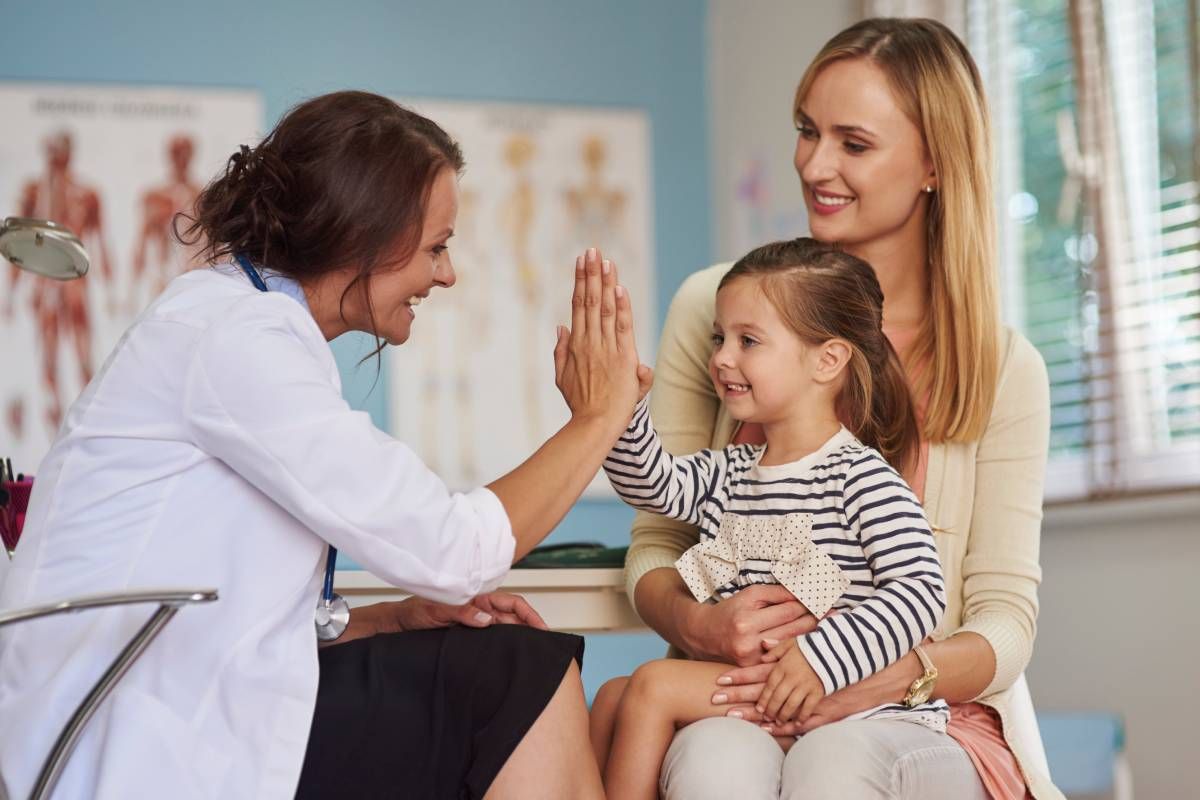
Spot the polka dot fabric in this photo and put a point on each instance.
(783, 544)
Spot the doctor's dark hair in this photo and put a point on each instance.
(824, 293)
(343, 179)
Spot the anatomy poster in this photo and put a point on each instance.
(473, 390)
(113, 164)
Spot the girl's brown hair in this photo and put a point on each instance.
(955, 361)
(343, 179)
(824, 293)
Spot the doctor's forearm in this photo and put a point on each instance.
(538, 493)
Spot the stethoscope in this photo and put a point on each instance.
(333, 612)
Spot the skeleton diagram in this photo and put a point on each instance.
(595, 208)
(460, 321)
(60, 308)
(519, 212)
(156, 246)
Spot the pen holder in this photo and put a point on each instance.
(12, 512)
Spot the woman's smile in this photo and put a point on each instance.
(411, 303)
(824, 203)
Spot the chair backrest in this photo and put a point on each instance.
(169, 602)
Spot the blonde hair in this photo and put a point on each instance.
(955, 360)
(823, 293)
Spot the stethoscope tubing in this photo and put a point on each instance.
(332, 606)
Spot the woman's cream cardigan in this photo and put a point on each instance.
(983, 500)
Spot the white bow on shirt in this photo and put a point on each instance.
(784, 541)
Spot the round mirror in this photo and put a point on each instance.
(43, 247)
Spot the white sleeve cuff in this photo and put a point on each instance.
(496, 544)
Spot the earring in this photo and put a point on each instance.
(928, 190)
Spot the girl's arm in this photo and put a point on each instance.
(648, 477)
(909, 596)
(685, 406)
(992, 647)
(687, 410)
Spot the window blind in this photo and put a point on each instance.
(1094, 106)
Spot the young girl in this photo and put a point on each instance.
(820, 509)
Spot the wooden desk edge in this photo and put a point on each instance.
(357, 580)
(579, 600)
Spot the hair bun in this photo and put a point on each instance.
(271, 171)
(240, 163)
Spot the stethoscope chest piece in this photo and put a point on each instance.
(333, 612)
(333, 615)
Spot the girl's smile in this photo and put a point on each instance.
(757, 363)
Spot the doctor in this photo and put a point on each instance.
(214, 449)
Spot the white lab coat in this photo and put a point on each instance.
(214, 449)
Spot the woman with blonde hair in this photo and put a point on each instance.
(894, 156)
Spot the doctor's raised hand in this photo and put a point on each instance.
(596, 365)
(597, 371)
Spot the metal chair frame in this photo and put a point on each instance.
(169, 602)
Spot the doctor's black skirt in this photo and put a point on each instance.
(429, 714)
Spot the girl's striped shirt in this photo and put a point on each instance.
(861, 514)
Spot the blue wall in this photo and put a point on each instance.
(650, 55)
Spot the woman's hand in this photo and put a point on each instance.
(734, 630)
(509, 609)
(417, 613)
(740, 690)
(596, 364)
(830, 708)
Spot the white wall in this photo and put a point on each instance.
(757, 52)
(1119, 629)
